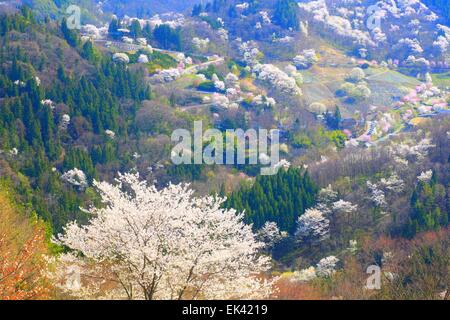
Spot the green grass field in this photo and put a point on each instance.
(441, 79)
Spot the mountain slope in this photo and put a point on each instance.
(146, 7)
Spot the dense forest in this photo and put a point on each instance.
(280, 198)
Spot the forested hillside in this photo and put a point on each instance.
(54, 114)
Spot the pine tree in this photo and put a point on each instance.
(280, 198)
(70, 35)
(285, 14)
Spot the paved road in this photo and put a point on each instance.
(196, 68)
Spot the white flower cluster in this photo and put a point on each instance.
(377, 195)
(142, 41)
(312, 225)
(327, 195)
(75, 177)
(93, 32)
(231, 80)
(111, 134)
(413, 45)
(327, 266)
(233, 94)
(142, 58)
(65, 121)
(393, 183)
(242, 6)
(356, 75)
(344, 206)
(171, 19)
(48, 103)
(121, 57)
(425, 176)
(249, 52)
(167, 75)
(419, 150)
(277, 78)
(304, 275)
(127, 40)
(263, 101)
(417, 62)
(223, 34)
(306, 59)
(270, 234)
(219, 85)
(222, 101)
(441, 44)
(200, 44)
(378, 35)
(190, 245)
(339, 25)
(283, 163)
(265, 17)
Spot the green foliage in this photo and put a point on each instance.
(18, 22)
(185, 172)
(430, 207)
(80, 159)
(333, 120)
(319, 138)
(71, 36)
(135, 29)
(207, 86)
(212, 22)
(156, 60)
(285, 14)
(114, 25)
(196, 10)
(301, 140)
(90, 53)
(280, 198)
(167, 37)
(209, 71)
(337, 137)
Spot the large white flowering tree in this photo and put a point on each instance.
(312, 226)
(162, 244)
